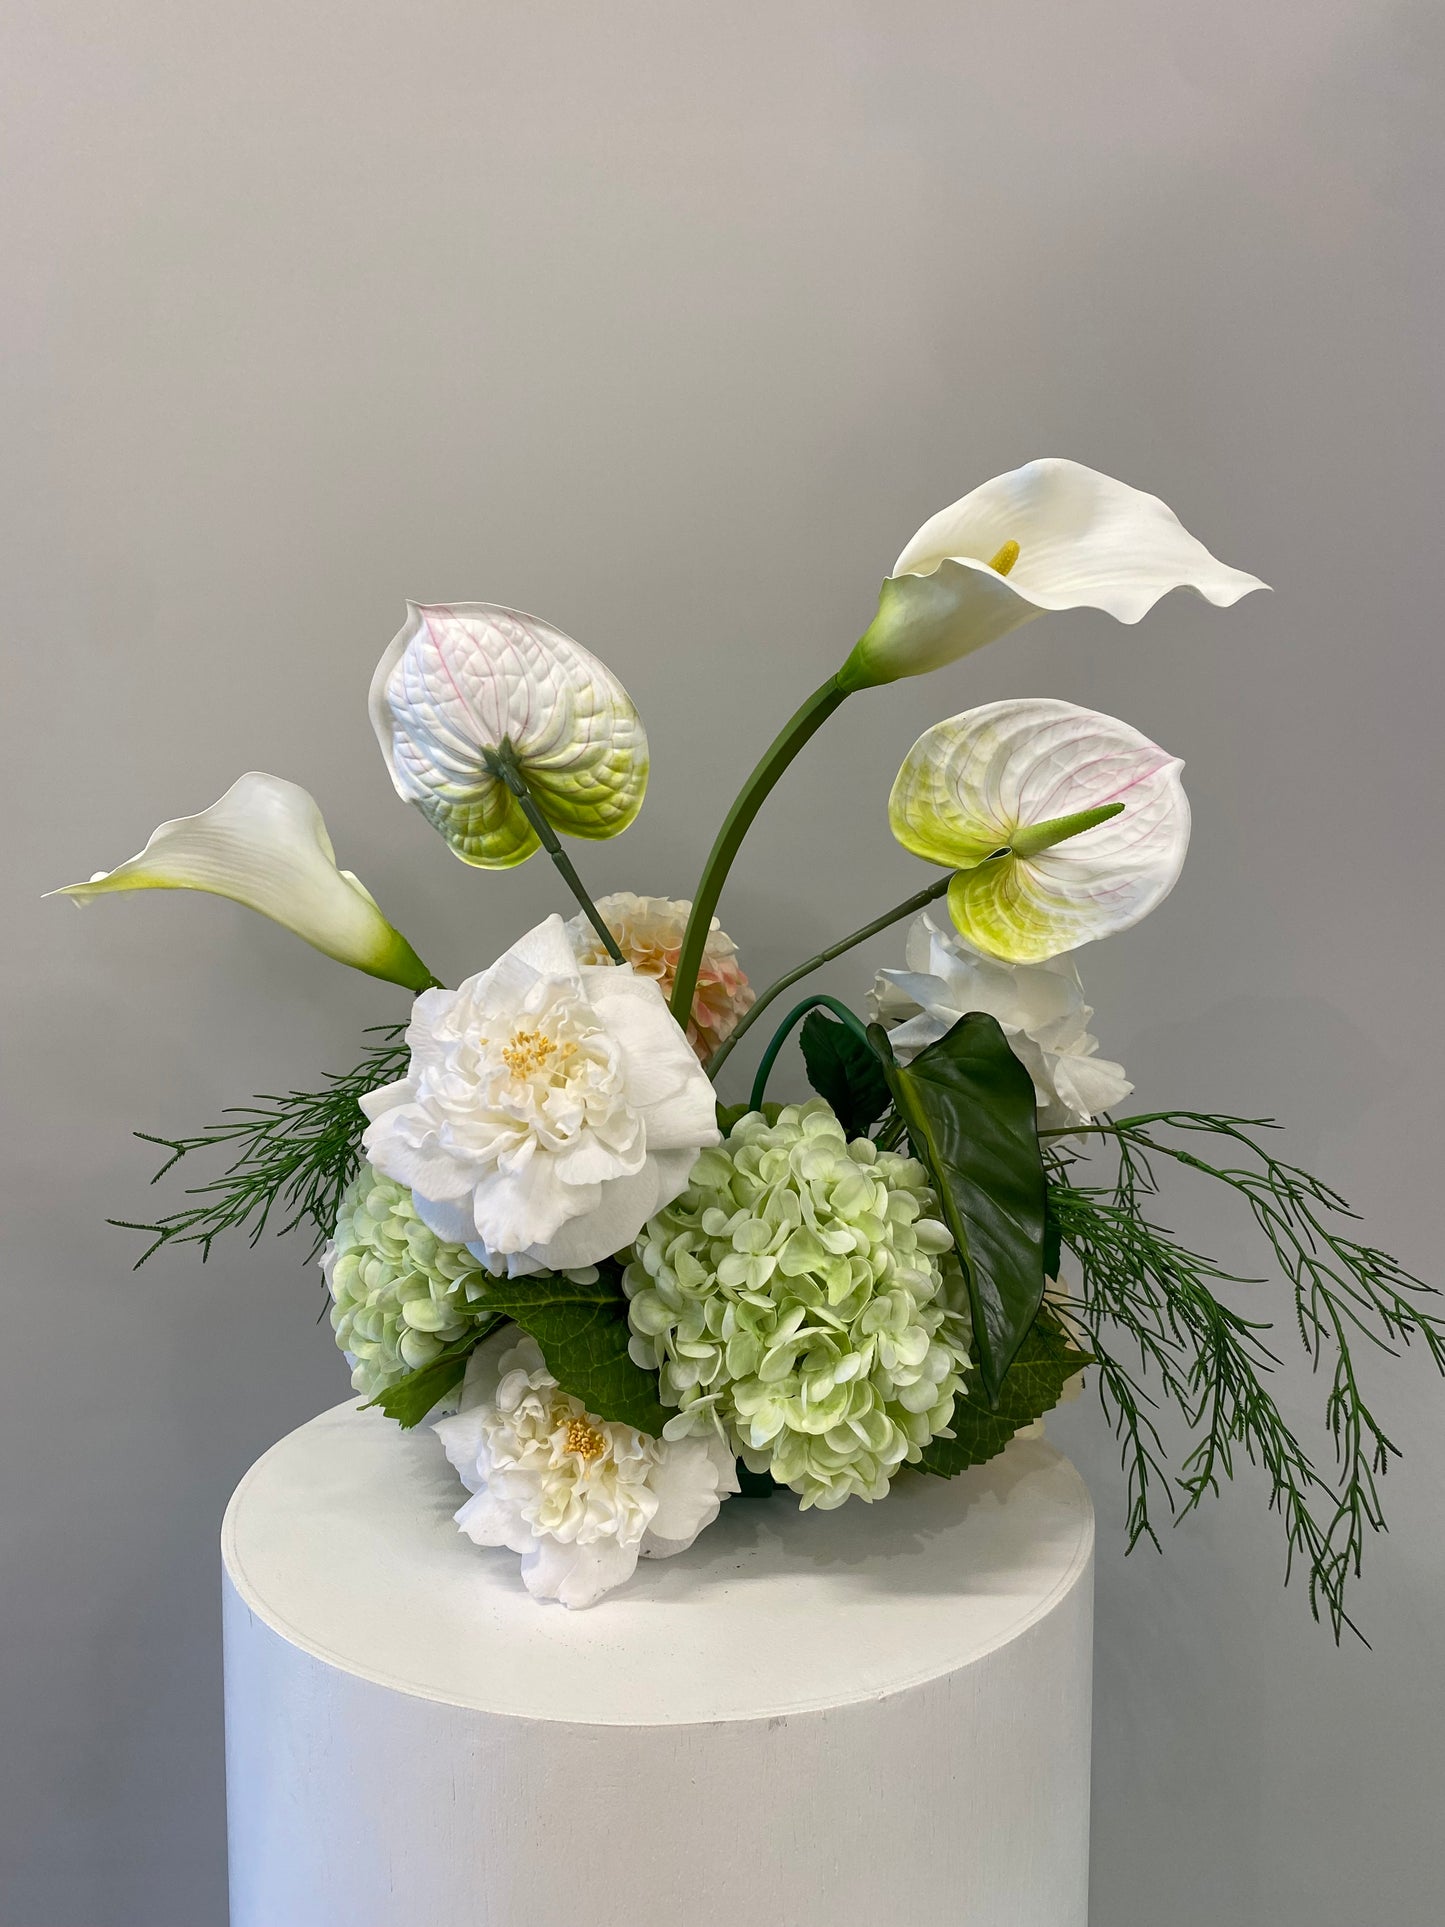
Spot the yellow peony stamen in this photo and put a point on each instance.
(528, 1051)
(1006, 557)
(584, 1439)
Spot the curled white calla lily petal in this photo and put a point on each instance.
(1050, 535)
(466, 684)
(1064, 825)
(265, 844)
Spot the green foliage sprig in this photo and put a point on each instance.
(1210, 1362)
(292, 1156)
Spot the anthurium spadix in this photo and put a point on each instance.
(1063, 825)
(468, 691)
(265, 844)
(1048, 536)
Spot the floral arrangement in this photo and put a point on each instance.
(620, 1301)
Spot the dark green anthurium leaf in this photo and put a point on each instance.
(583, 1332)
(969, 1107)
(412, 1397)
(1042, 1366)
(845, 1071)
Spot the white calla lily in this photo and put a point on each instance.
(264, 844)
(1063, 825)
(1048, 536)
(468, 687)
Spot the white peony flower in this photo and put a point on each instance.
(580, 1499)
(1040, 1008)
(549, 1110)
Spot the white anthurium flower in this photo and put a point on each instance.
(1039, 1007)
(580, 1498)
(550, 1108)
(467, 688)
(1050, 535)
(1063, 825)
(264, 844)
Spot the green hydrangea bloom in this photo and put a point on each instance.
(399, 1293)
(801, 1293)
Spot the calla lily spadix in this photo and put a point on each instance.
(468, 687)
(1063, 825)
(264, 844)
(1048, 536)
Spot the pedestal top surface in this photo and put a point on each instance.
(341, 1539)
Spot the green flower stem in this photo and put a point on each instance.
(1124, 1125)
(503, 763)
(780, 1037)
(810, 718)
(899, 911)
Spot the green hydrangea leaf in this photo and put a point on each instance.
(410, 1399)
(583, 1333)
(842, 1069)
(969, 1107)
(1043, 1365)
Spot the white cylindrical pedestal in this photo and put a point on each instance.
(876, 1714)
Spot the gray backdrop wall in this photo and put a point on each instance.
(671, 323)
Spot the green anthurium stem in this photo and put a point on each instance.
(918, 901)
(809, 719)
(780, 1037)
(503, 762)
(1032, 839)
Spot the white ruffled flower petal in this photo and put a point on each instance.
(577, 1575)
(1048, 536)
(264, 845)
(690, 1488)
(1040, 1008)
(549, 1110)
(579, 1498)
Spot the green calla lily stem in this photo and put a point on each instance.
(750, 799)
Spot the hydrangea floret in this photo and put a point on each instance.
(801, 1296)
(399, 1293)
